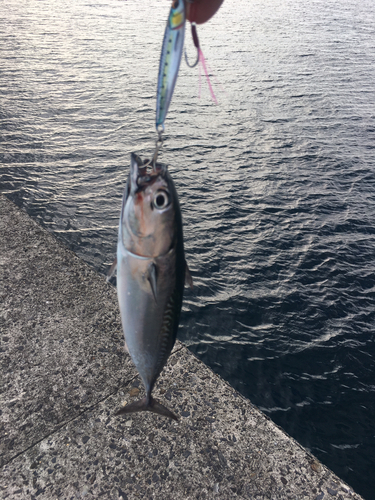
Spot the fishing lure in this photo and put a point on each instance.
(170, 59)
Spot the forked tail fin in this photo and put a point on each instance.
(148, 405)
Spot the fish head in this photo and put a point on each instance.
(177, 14)
(148, 219)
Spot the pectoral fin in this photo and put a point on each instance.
(188, 278)
(152, 277)
(112, 270)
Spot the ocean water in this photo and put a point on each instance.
(276, 184)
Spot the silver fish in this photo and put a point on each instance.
(151, 271)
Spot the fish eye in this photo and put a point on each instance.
(161, 199)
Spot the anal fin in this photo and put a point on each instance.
(126, 347)
(112, 270)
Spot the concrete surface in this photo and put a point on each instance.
(64, 373)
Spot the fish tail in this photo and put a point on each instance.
(148, 404)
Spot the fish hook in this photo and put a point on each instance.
(196, 43)
(158, 145)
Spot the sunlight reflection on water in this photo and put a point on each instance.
(276, 185)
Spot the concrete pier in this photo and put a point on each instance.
(64, 373)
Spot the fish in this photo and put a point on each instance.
(151, 273)
(170, 59)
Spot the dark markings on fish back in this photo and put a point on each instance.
(168, 330)
(172, 311)
(171, 317)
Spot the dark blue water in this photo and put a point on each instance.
(276, 183)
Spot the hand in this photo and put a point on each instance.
(200, 11)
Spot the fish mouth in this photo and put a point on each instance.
(140, 176)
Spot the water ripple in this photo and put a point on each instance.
(277, 186)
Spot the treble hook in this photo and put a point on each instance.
(196, 43)
(158, 145)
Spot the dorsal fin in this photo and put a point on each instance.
(188, 278)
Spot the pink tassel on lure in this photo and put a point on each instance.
(202, 61)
